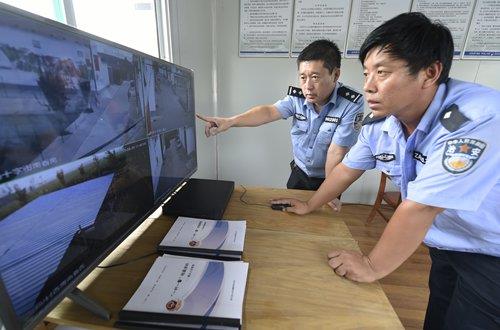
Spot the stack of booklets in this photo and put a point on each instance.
(188, 293)
(214, 239)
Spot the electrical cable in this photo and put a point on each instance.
(247, 203)
(127, 262)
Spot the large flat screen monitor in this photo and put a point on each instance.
(94, 137)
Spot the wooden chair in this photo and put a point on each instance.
(392, 198)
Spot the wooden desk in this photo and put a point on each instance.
(289, 286)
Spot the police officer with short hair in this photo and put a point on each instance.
(437, 139)
(327, 116)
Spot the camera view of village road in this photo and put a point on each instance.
(169, 97)
(59, 106)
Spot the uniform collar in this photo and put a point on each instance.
(393, 126)
(433, 110)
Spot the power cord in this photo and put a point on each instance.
(127, 262)
(247, 203)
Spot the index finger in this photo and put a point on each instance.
(204, 118)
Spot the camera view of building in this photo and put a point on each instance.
(66, 213)
(62, 98)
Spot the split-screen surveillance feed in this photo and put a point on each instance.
(93, 137)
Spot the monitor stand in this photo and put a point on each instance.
(201, 198)
(89, 304)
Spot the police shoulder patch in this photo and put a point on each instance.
(358, 120)
(349, 94)
(295, 91)
(370, 119)
(451, 118)
(461, 154)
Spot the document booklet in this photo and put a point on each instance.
(216, 239)
(184, 292)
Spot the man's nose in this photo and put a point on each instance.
(309, 84)
(369, 85)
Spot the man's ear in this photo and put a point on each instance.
(432, 74)
(336, 74)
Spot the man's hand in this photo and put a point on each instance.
(298, 207)
(352, 265)
(215, 125)
(336, 205)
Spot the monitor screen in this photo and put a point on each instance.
(94, 137)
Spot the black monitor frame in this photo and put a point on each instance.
(8, 315)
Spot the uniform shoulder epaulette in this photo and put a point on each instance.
(349, 94)
(295, 91)
(370, 119)
(451, 118)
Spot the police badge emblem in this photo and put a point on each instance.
(358, 122)
(461, 154)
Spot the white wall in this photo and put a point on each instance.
(193, 47)
(260, 156)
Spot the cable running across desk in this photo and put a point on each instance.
(127, 262)
(247, 203)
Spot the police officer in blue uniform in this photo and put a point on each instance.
(436, 138)
(326, 114)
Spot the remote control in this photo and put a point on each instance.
(280, 206)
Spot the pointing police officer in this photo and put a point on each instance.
(437, 139)
(326, 115)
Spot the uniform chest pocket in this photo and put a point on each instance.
(299, 127)
(392, 169)
(326, 133)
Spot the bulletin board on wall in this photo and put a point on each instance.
(282, 28)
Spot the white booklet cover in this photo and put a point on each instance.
(192, 286)
(206, 234)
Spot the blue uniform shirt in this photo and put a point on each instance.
(339, 122)
(451, 160)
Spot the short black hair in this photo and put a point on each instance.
(414, 38)
(323, 50)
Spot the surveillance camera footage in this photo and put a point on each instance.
(93, 137)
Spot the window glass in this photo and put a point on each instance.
(129, 22)
(52, 9)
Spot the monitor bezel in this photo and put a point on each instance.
(7, 313)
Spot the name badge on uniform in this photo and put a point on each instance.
(420, 157)
(385, 157)
(334, 120)
(300, 117)
(461, 154)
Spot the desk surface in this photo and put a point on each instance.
(289, 285)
